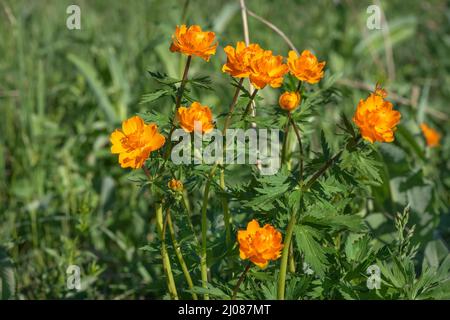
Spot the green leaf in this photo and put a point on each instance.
(357, 247)
(155, 95)
(307, 242)
(212, 291)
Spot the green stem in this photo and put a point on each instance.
(203, 263)
(177, 105)
(179, 255)
(291, 259)
(226, 211)
(300, 146)
(299, 86)
(183, 82)
(249, 105)
(232, 106)
(284, 257)
(285, 140)
(186, 205)
(165, 256)
(241, 278)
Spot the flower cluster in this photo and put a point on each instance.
(239, 59)
(134, 142)
(260, 66)
(260, 245)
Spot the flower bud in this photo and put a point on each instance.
(289, 100)
(175, 185)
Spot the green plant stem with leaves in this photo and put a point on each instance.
(284, 161)
(187, 208)
(179, 254)
(249, 105)
(241, 278)
(203, 260)
(179, 97)
(284, 151)
(300, 146)
(292, 221)
(226, 211)
(161, 229)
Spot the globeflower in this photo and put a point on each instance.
(135, 142)
(376, 118)
(238, 60)
(267, 69)
(196, 113)
(175, 185)
(289, 100)
(305, 67)
(431, 136)
(193, 41)
(260, 245)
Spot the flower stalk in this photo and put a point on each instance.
(241, 279)
(232, 106)
(300, 146)
(249, 105)
(204, 223)
(284, 152)
(160, 226)
(284, 257)
(179, 254)
(226, 211)
(183, 82)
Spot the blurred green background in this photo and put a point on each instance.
(63, 197)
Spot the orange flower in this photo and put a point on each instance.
(306, 67)
(193, 41)
(376, 118)
(260, 245)
(188, 117)
(267, 69)
(135, 142)
(175, 185)
(432, 136)
(289, 100)
(238, 60)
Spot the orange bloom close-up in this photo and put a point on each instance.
(289, 100)
(305, 67)
(193, 41)
(376, 118)
(431, 136)
(175, 185)
(260, 245)
(267, 69)
(239, 58)
(135, 142)
(194, 117)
